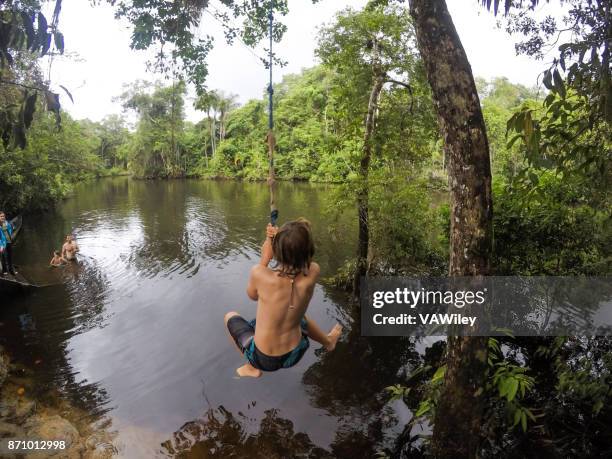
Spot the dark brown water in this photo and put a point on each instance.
(134, 334)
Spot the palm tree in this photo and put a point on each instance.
(209, 103)
(226, 103)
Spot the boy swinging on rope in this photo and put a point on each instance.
(280, 338)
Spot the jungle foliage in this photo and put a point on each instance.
(25, 36)
(42, 153)
(43, 172)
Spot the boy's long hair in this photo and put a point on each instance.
(293, 247)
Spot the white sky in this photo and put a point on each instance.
(106, 62)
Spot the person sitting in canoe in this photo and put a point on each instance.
(70, 248)
(57, 259)
(6, 245)
(278, 337)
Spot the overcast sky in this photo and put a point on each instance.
(105, 61)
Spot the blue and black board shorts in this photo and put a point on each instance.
(243, 332)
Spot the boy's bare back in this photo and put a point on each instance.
(280, 334)
(278, 322)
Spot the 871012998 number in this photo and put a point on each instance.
(8, 445)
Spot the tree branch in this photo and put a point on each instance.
(405, 85)
(14, 83)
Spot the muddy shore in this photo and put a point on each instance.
(24, 416)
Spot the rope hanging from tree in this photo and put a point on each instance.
(270, 137)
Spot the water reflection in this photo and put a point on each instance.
(221, 434)
(39, 338)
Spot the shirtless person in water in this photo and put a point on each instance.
(57, 259)
(278, 337)
(70, 248)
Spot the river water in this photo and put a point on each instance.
(134, 333)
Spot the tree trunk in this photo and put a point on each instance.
(206, 153)
(213, 132)
(364, 168)
(459, 411)
(172, 130)
(222, 117)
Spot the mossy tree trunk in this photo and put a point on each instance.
(364, 169)
(459, 411)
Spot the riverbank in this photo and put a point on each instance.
(49, 418)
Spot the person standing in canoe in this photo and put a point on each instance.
(6, 245)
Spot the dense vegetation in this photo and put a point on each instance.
(365, 118)
(55, 156)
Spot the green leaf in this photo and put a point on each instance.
(439, 374)
(530, 414)
(67, 92)
(46, 45)
(513, 140)
(528, 125)
(598, 406)
(559, 85)
(517, 417)
(42, 30)
(58, 38)
(494, 345)
(424, 407)
(513, 388)
(547, 80)
(504, 387)
(26, 19)
(53, 105)
(29, 108)
(52, 99)
(510, 123)
(397, 391)
(549, 100)
(523, 421)
(519, 121)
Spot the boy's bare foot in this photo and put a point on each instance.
(334, 336)
(248, 370)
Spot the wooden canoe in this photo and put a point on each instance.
(10, 283)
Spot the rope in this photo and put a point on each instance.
(270, 137)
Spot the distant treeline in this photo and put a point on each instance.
(319, 130)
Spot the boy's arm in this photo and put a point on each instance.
(314, 273)
(266, 252)
(251, 289)
(266, 257)
(266, 249)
